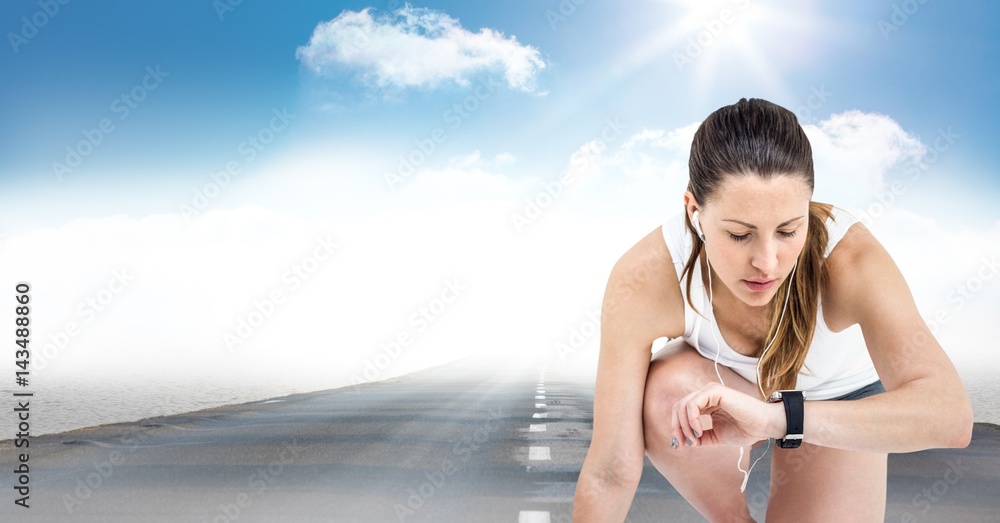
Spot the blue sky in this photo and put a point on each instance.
(936, 70)
(159, 99)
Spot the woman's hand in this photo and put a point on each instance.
(737, 419)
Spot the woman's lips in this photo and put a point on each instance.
(759, 285)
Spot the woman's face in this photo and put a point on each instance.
(754, 231)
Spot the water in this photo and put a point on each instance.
(985, 396)
(67, 405)
(73, 404)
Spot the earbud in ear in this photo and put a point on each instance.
(697, 225)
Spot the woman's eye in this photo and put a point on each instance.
(741, 238)
(745, 237)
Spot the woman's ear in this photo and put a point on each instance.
(690, 204)
(693, 211)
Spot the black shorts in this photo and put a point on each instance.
(863, 392)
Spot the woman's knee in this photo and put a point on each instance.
(674, 372)
(672, 375)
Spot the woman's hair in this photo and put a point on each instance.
(758, 138)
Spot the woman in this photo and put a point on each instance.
(769, 291)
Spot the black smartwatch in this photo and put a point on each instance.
(794, 415)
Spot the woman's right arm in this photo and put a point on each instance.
(642, 302)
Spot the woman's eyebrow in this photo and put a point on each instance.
(747, 225)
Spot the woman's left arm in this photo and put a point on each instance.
(925, 404)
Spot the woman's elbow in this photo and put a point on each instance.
(963, 433)
(956, 432)
(613, 473)
(608, 469)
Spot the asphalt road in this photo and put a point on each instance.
(454, 443)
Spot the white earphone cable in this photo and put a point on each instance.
(718, 349)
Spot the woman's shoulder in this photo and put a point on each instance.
(676, 238)
(839, 224)
(644, 279)
(655, 255)
(856, 248)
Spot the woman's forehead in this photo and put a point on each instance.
(760, 201)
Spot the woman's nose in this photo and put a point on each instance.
(765, 257)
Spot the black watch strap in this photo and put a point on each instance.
(794, 418)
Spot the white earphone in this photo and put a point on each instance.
(697, 225)
(697, 229)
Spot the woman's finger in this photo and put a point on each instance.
(694, 412)
(700, 403)
(683, 427)
(683, 409)
(676, 435)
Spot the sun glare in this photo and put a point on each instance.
(708, 41)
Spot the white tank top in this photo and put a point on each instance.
(837, 363)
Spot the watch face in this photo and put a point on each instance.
(778, 395)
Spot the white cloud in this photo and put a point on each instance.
(854, 151)
(504, 159)
(677, 140)
(459, 183)
(465, 161)
(418, 47)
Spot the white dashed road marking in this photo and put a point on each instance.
(534, 516)
(539, 454)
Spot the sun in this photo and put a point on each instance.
(750, 41)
